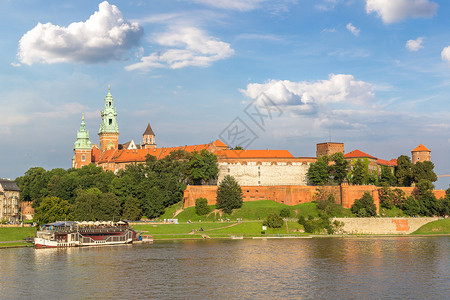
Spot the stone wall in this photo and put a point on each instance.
(383, 225)
(265, 173)
(293, 194)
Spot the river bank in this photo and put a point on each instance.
(13, 236)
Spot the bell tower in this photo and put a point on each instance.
(148, 138)
(109, 129)
(82, 147)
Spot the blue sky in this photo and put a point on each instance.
(373, 74)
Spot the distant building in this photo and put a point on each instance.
(421, 153)
(329, 148)
(9, 201)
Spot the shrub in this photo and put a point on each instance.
(364, 207)
(201, 206)
(285, 213)
(273, 221)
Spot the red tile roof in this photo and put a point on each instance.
(254, 154)
(219, 143)
(390, 163)
(358, 154)
(421, 148)
(139, 155)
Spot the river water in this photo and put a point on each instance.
(315, 268)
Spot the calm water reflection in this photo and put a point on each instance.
(320, 268)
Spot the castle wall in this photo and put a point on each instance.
(383, 225)
(294, 194)
(265, 173)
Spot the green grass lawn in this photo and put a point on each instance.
(254, 210)
(16, 233)
(435, 227)
(214, 229)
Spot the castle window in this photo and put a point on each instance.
(110, 121)
(83, 157)
(259, 173)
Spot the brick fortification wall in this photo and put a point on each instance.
(293, 194)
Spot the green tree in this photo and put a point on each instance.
(237, 148)
(33, 185)
(202, 167)
(318, 172)
(229, 195)
(132, 209)
(201, 206)
(403, 171)
(273, 221)
(86, 204)
(364, 207)
(423, 171)
(52, 209)
(339, 169)
(360, 172)
(108, 208)
(387, 176)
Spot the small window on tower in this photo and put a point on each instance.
(83, 157)
(110, 121)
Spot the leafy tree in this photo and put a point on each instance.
(403, 171)
(411, 207)
(108, 208)
(387, 177)
(85, 204)
(423, 171)
(340, 168)
(285, 213)
(273, 221)
(132, 209)
(237, 148)
(318, 172)
(229, 195)
(326, 201)
(445, 206)
(202, 167)
(201, 206)
(360, 172)
(52, 209)
(33, 185)
(364, 207)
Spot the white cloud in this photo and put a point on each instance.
(445, 54)
(313, 97)
(190, 46)
(242, 5)
(353, 29)
(392, 11)
(103, 37)
(414, 45)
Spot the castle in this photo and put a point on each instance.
(249, 167)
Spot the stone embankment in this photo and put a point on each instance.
(383, 225)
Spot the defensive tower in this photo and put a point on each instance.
(82, 147)
(421, 153)
(148, 138)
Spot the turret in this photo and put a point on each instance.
(421, 153)
(148, 138)
(82, 147)
(109, 128)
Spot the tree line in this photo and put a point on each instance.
(140, 189)
(335, 169)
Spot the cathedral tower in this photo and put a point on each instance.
(148, 138)
(82, 147)
(109, 129)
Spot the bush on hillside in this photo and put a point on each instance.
(364, 207)
(273, 221)
(285, 213)
(201, 206)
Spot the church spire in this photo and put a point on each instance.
(82, 141)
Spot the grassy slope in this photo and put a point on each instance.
(256, 210)
(435, 227)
